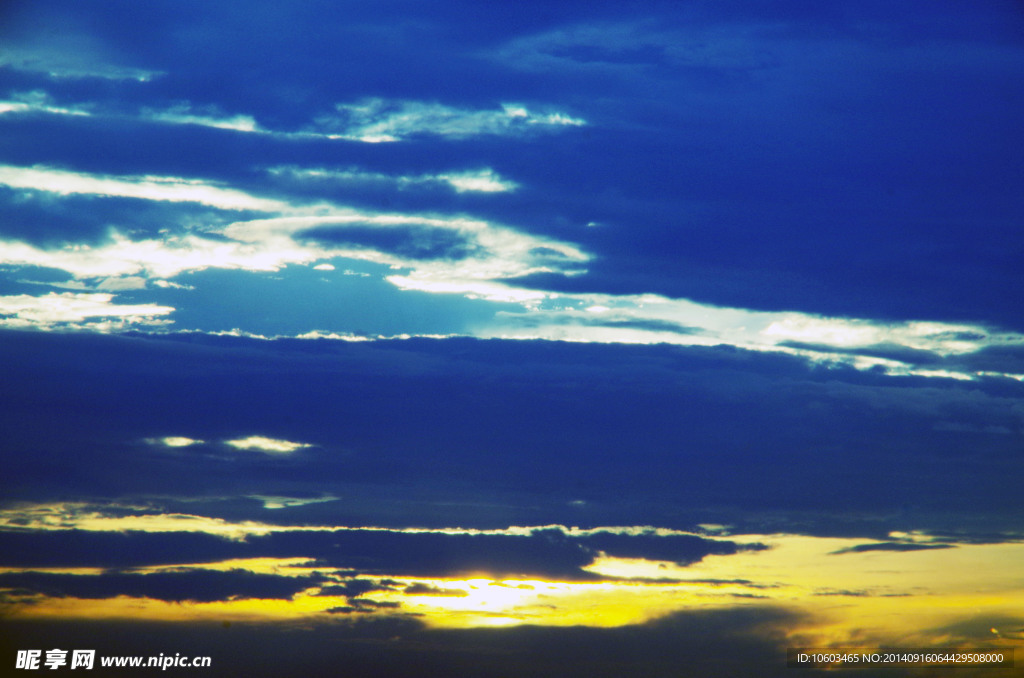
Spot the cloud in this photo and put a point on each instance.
(809, 232)
(185, 114)
(163, 258)
(411, 241)
(289, 502)
(36, 101)
(753, 643)
(930, 349)
(478, 260)
(74, 537)
(73, 58)
(192, 585)
(69, 310)
(672, 98)
(353, 588)
(484, 180)
(174, 441)
(438, 555)
(363, 605)
(377, 120)
(33, 548)
(759, 428)
(893, 546)
(438, 253)
(267, 445)
(39, 101)
(724, 642)
(471, 289)
(681, 549)
(453, 255)
(172, 189)
(940, 338)
(371, 121)
(124, 283)
(428, 590)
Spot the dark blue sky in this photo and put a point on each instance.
(517, 285)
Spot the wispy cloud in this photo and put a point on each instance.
(172, 189)
(478, 260)
(489, 250)
(455, 253)
(649, 319)
(164, 258)
(379, 120)
(37, 101)
(277, 502)
(470, 181)
(482, 181)
(184, 113)
(75, 58)
(211, 116)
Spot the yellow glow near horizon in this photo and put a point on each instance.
(846, 595)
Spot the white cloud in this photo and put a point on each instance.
(155, 258)
(941, 338)
(267, 445)
(484, 180)
(649, 319)
(486, 251)
(493, 251)
(186, 114)
(92, 518)
(36, 101)
(379, 120)
(173, 189)
(75, 310)
(320, 334)
(487, 257)
(112, 517)
(276, 502)
(167, 284)
(472, 289)
(174, 441)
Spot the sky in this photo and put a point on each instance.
(501, 339)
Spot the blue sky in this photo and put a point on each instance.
(535, 294)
